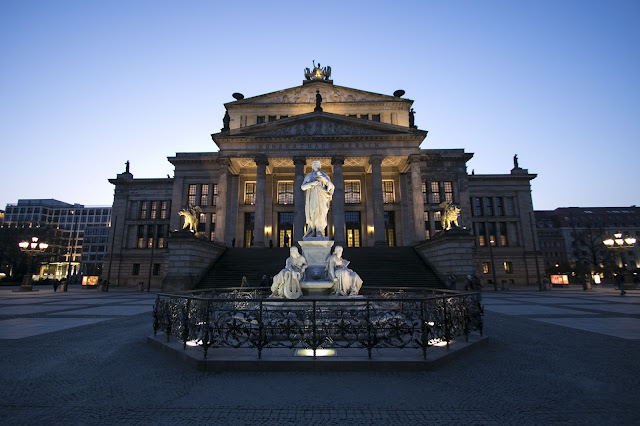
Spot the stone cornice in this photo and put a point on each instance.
(143, 181)
(511, 177)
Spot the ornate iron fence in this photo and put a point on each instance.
(381, 318)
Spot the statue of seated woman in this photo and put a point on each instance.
(287, 282)
(345, 281)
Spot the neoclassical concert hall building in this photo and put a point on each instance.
(388, 191)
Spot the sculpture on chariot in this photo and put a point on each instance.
(318, 72)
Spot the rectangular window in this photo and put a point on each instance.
(486, 268)
(140, 236)
(214, 199)
(154, 210)
(437, 218)
(150, 231)
(260, 119)
(272, 118)
(427, 228)
(448, 192)
(424, 192)
(499, 208)
(136, 269)
(375, 117)
(143, 210)
(160, 236)
(213, 227)
(492, 233)
(204, 194)
(156, 268)
(482, 234)
(364, 116)
(477, 206)
(488, 203)
(202, 222)
(503, 234)
(351, 191)
(250, 193)
(508, 267)
(191, 198)
(163, 209)
(387, 191)
(435, 192)
(285, 192)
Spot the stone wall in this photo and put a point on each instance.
(189, 259)
(449, 252)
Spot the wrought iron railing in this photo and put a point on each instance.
(381, 318)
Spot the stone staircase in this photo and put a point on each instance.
(378, 266)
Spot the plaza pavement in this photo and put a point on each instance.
(553, 357)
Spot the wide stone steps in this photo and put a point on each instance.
(377, 266)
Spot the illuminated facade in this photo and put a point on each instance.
(388, 190)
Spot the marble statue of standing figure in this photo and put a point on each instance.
(287, 282)
(318, 194)
(345, 281)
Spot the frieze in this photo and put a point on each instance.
(321, 128)
(317, 145)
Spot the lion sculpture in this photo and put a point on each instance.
(191, 216)
(449, 215)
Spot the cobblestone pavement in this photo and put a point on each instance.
(96, 368)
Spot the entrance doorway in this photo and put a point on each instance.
(285, 228)
(352, 222)
(249, 222)
(390, 228)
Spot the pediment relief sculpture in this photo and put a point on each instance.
(319, 127)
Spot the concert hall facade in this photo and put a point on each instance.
(388, 191)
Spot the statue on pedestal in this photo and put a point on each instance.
(318, 194)
(449, 215)
(191, 216)
(287, 282)
(345, 281)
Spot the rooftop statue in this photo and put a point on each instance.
(287, 282)
(345, 281)
(449, 215)
(318, 194)
(318, 72)
(191, 216)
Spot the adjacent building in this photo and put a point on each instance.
(388, 191)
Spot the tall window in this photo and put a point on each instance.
(156, 268)
(214, 199)
(503, 234)
(202, 222)
(143, 210)
(351, 191)
(191, 198)
(140, 243)
(448, 192)
(387, 191)
(260, 119)
(492, 233)
(482, 234)
(136, 269)
(285, 192)
(437, 218)
(424, 192)
(477, 206)
(508, 267)
(154, 210)
(204, 195)
(486, 268)
(427, 228)
(213, 227)
(499, 208)
(150, 231)
(250, 193)
(163, 209)
(435, 192)
(160, 236)
(488, 203)
(352, 222)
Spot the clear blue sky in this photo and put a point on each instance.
(86, 85)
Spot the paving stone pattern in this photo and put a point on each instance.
(531, 372)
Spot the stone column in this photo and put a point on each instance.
(298, 200)
(378, 202)
(261, 190)
(221, 205)
(338, 200)
(418, 205)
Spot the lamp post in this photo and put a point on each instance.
(32, 249)
(621, 244)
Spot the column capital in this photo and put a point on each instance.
(299, 160)
(261, 160)
(337, 159)
(375, 160)
(414, 158)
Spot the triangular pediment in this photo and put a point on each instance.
(320, 124)
(306, 94)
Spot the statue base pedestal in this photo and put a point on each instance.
(316, 251)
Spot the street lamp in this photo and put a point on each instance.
(32, 249)
(621, 244)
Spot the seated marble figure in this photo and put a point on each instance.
(287, 282)
(345, 281)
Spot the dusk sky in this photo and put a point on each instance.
(87, 85)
